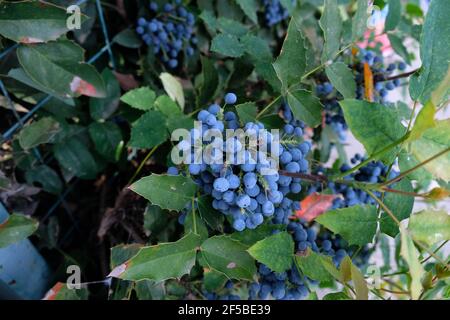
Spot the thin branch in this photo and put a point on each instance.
(401, 75)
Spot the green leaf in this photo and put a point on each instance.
(331, 24)
(401, 206)
(58, 67)
(161, 262)
(250, 8)
(336, 296)
(60, 291)
(232, 27)
(434, 52)
(173, 88)
(251, 236)
(128, 38)
(210, 215)
(74, 156)
(103, 108)
(213, 280)
(356, 224)
(359, 23)
(246, 112)
(291, 63)
(16, 228)
(442, 92)
(362, 291)
(430, 226)
(394, 15)
(275, 251)
(168, 192)
(209, 19)
(149, 130)
(305, 106)
(228, 256)
(141, 98)
(209, 82)
(194, 224)
(399, 48)
(227, 45)
(341, 77)
(425, 120)
(39, 132)
(106, 137)
(45, 177)
(168, 107)
(433, 141)
(32, 21)
(123, 252)
(374, 125)
(311, 265)
(257, 48)
(411, 256)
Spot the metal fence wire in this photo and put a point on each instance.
(21, 120)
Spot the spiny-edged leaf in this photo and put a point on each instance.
(167, 106)
(59, 68)
(16, 228)
(432, 142)
(373, 124)
(213, 280)
(173, 88)
(209, 82)
(149, 130)
(160, 262)
(305, 106)
(210, 215)
(32, 21)
(267, 72)
(179, 121)
(430, 226)
(401, 206)
(257, 48)
(341, 77)
(140, 98)
(103, 108)
(411, 256)
(359, 23)
(168, 192)
(38, 132)
(425, 120)
(227, 45)
(230, 26)
(210, 20)
(359, 283)
(250, 237)
(407, 161)
(74, 156)
(311, 265)
(193, 223)
(106, 137)
(291, 63)
(331, 24)
(60, 291)
(229, 257)
(246, 112)
(356, 224)
(46, 177)
(250, 8)
(434, 52)
(314, 205)
(128, 38)
(123, 252)
(399, 48)
(336, 296)
(275, 251)
(394, 15)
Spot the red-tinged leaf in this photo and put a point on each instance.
(368, 82)
(127, 81)
(117, 271)
(314, 205)
(53, 292)
(82, 87)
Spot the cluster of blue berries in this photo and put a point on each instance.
(274, 12)
(290, 285)
(380, 73)
(249, 190)
(169, 32)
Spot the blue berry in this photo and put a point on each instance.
(230, 98)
